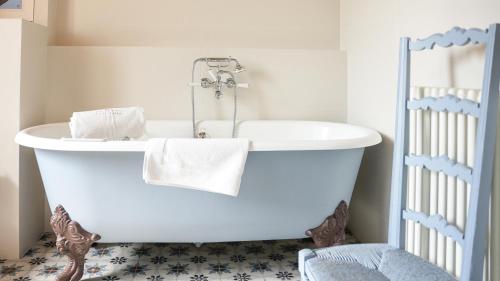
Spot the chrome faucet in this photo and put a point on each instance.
(222, 73)
(217, 81)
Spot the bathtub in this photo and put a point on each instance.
(296, 174)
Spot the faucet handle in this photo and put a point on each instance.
(204, 83)
(199, 84)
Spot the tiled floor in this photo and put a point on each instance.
(245, 261)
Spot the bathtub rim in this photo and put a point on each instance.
(28, 139)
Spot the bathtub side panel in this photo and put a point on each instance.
(282, 195)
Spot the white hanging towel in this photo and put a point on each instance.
(213, 165)
(108, 124)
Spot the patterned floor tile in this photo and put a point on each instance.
(47, 271)
(10, 269)
(233, 261)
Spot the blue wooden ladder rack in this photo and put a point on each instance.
(480, 176)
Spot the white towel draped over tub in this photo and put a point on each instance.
(213, 165)
(108, 124)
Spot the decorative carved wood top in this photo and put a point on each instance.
(441, 164)
(448, 103)
(436, 222)
(456, 36)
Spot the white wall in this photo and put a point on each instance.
(370, 32)
(22, 70)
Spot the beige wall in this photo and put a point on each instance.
(32, 97)
(93, 64)
(10, 53)
(283, 40)
(88, 77)
(22, 54)
(370, 32)
(284, 84)
(192, 23)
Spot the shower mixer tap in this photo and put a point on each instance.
(217, 75)
(217, 82)
(221, 75)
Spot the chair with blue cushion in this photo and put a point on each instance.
(390, 261)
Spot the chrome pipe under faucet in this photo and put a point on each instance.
(222, 75)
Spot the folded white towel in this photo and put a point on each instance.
(109, 124)
(214, 165)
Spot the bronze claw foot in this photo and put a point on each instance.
(332, 231)
(72, 240)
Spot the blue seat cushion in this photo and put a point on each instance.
(399, 265)
(327, 270)
(377, 262)
(368, 255)
(357, 262)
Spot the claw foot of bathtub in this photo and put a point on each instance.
(332, 231)
(73, 241)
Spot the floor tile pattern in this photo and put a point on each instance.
(236, 261)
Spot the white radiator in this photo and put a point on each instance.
(441, 133)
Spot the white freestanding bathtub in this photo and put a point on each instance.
(296, 174)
